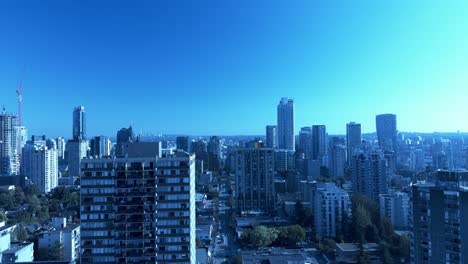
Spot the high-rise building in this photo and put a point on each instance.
(320, 144)
(40, 163)
(77, 148)
(79, 123)
(387, 133)
(99, 146)
(369, 174)
(138, 209)
(337, 161)
(284, 160)
(182, 143)
(214, 153)
(417, 160)
(254, 179)
(286, 139)
(395, 206)
(271, 137)
(61, 147)
(199, 146)
(353, 139)
(9, 145)
(214, 146)
(23, 134)
(330, 205)
(124, 135)
(76, 151)
(439, 233)
(305, 142)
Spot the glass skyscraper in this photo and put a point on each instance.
(285, 126)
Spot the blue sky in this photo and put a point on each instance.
(220, 67)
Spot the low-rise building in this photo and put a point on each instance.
(349, 253)
(65, 235)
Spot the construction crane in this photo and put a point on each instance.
(20, 118)
(20, 99)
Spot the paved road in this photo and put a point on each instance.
(224, 245)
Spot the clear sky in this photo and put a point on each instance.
(221, 67)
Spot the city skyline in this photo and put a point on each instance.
(241, 58)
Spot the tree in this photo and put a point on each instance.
(387, 229)
(361, 219)
(363, 257)
(295, 234)
(237, 259)
(263, 236)
(328, 246)
(304, 216)
(385, 256)
(199, 243)
(41, 254)
(56, 252)
(20, 234)
(231, 201)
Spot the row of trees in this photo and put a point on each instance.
(278, 236)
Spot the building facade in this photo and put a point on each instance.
(305, 142)
(254, 179)
(138, 209)
(330, 205)
(337, 161)
(9, 145)
(182, 143)
(79, 123)
(386, 125)
(76, 151)
(396, 207)
(369, 174)
(40, 163)
(271, 136)
(285, 126)
(353, 139)
(64, 234)
(320, 144)
(439, 233)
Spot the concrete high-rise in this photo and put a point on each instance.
(138, 209)
(254, 179)
(76, 150)
(182, 143)
(271, 136)
(337, 161)
(40, 163)
(439, 233)
(124, 135)
(353, 139)
(395, 206)
(305, 142)
(79, 123)
(386, 125)
(99, 146)
(330, 205)
(61, 147)
(369, 174)
(320, 144)
(9, 145)
(286, 139)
